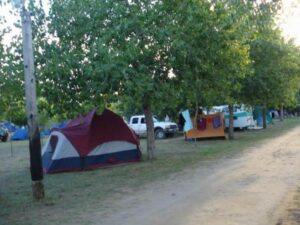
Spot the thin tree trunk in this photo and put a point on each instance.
(196, 111)
(231, 125)
(281, 113)
(150, 128)
(31, 108)
(264, 112)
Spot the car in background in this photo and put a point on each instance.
(162, 129)
(3, 134)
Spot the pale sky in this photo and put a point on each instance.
(11, 20)
(289, 20)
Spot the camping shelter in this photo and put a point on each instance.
(258, 116)
(9, 126)
(47, 131)
(89, 142)
(207, 126)
(20, 134)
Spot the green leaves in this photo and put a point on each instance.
(213, 57)
(175, 53)
(276, 71)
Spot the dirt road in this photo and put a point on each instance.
(247, 190)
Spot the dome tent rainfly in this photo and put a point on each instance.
(90, 142)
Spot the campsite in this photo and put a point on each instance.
(90, 196)
(149, 112)
(90, 142)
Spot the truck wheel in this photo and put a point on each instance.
(159, 134)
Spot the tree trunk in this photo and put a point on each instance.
(231, 126)
(150, 128)
(281, 113)
(264, 112)
(31, 108)
(38, 189)
(196, 111)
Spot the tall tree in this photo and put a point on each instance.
(211, 57)
(266, 54)
(276, 72)
(106, 51)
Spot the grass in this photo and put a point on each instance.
(71, 196)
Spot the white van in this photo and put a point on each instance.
(242, 116)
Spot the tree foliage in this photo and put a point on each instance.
(11, 79)
(152, 56)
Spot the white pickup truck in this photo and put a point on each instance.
(161, 129)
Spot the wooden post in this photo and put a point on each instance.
(31, 108)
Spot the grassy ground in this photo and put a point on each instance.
(69, 196)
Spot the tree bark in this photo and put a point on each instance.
(231, 125)
(196, 111)
(150, 128)
(31, 108)
(281, 113)
(264, 112)
(38, 190)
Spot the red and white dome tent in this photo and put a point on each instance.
(90, 142)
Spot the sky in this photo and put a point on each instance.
(289, 20)
(10, 20)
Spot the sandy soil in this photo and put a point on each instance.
(289, 210)
(247, 190)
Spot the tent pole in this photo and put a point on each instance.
(11, 145)
(11, 148)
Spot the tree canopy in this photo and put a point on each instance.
(152, 56)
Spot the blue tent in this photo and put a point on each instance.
(47, 131)
(258, 116)
(9, 126)
(20, 134)
(60, 125)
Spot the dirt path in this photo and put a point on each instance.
(247, 190)
(289, 210)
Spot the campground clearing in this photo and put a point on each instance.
(244, 181)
